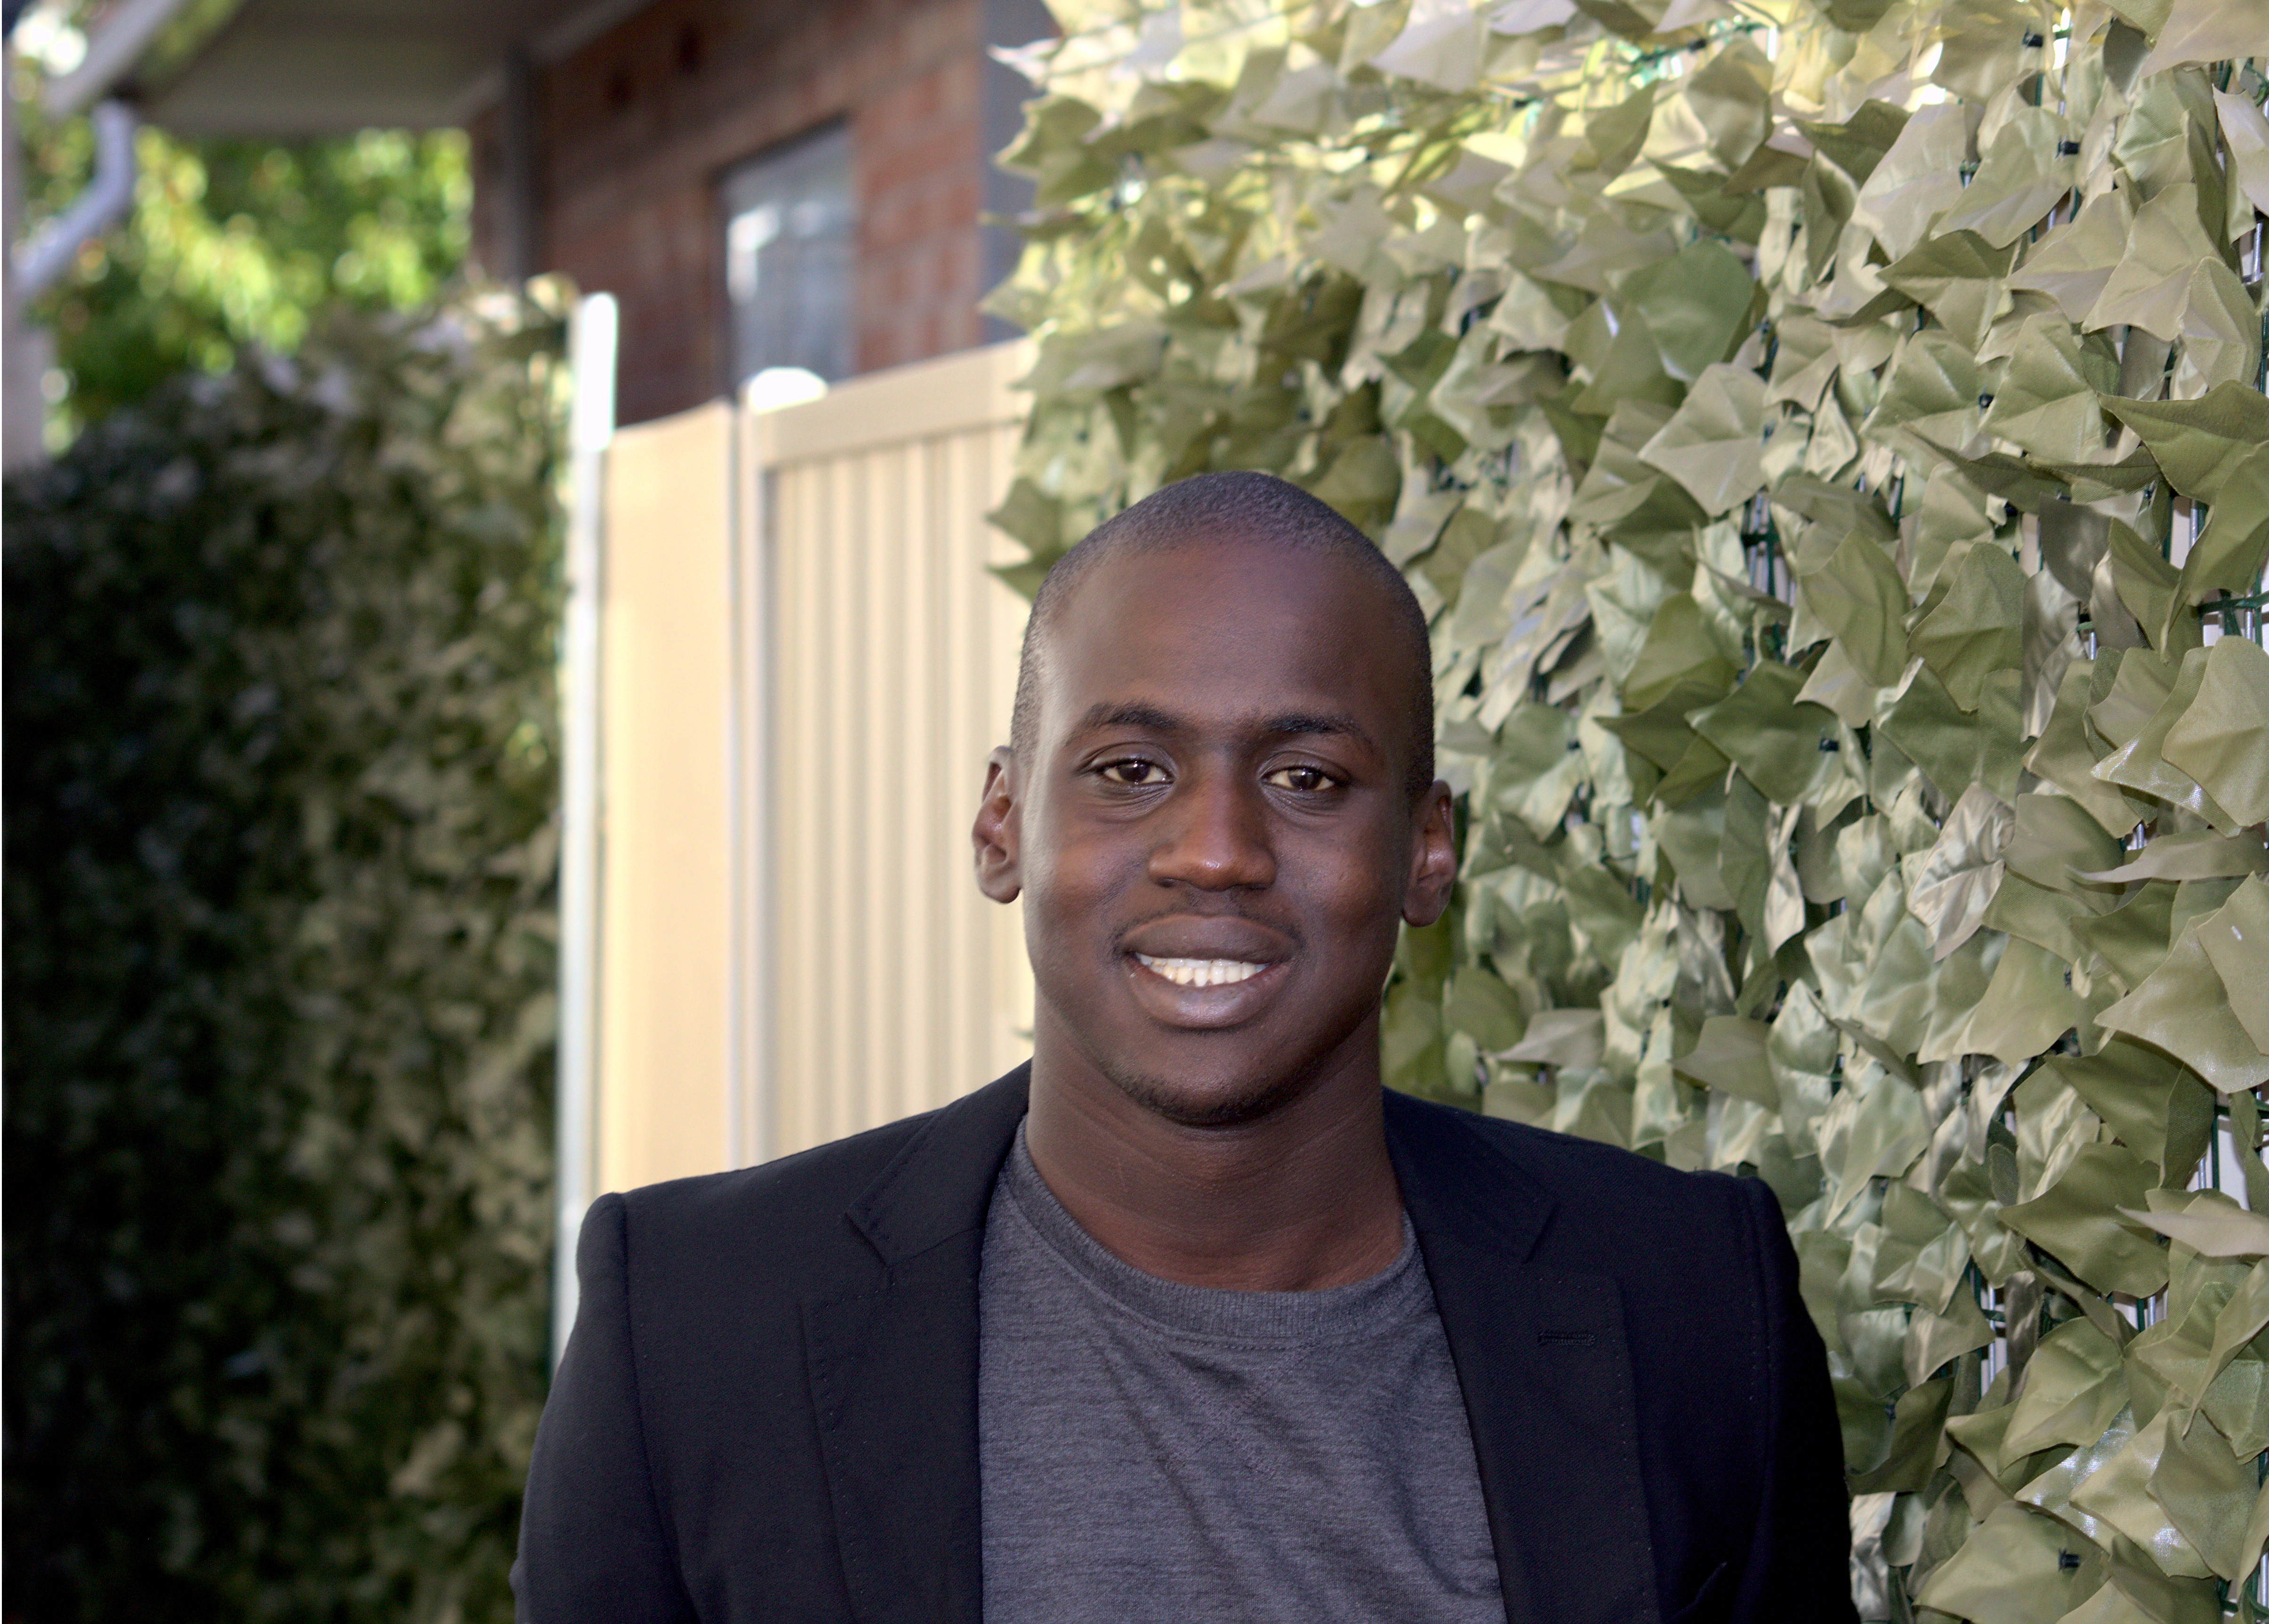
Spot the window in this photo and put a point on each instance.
(790, 238)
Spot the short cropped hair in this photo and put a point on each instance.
(1214, 509)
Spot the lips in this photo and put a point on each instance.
(1195, 940)
(1198, 972)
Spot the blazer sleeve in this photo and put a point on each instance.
(593, 1544)
(1799, 1561)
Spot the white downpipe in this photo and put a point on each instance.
(108, 195)
(591, 346)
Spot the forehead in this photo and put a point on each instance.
(1228, 622)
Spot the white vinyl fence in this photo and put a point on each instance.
(790, 667)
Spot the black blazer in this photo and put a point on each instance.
(768, 1409)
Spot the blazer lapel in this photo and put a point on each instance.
(893, 1371)
(1545, 1371)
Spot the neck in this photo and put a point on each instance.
(1299, 1198)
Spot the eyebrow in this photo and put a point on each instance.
(1147, 717)
(1292, 724)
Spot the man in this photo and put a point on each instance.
(1189, 1319)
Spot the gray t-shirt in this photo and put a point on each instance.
(1155, 1451)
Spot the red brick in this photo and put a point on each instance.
(628, 193)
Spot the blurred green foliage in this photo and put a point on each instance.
(280, 858)
(233, 243)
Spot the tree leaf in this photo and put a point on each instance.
(1712, 445)
(2221, 739)
(1975, 630)
(2150, 285)
(2182, 1007)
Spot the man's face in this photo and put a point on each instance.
(1213, 837)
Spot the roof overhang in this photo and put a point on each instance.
(303, 68)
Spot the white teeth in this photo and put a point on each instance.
(1199, 971)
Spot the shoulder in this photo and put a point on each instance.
(1605, 1207)
(810, 1222)
(780, 1229)
(1589, 1175)
(1699, 1261)
(828, 1176)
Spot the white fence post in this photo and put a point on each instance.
(591, 343)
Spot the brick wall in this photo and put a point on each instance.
(635, 128)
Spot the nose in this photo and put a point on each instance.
(1214, 836)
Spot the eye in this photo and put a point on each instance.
(1301, 778)
(1133, 771)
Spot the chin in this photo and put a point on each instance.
(1208, 1103)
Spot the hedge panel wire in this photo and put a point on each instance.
(280, 855)
(1829, 435)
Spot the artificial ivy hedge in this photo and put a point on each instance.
(280, 855)
(1829, 437)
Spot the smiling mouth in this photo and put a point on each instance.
(1199, 971)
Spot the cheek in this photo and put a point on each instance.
(1360, 897)
(1066, 881)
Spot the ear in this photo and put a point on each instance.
(997, 833)
(1433, 858)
